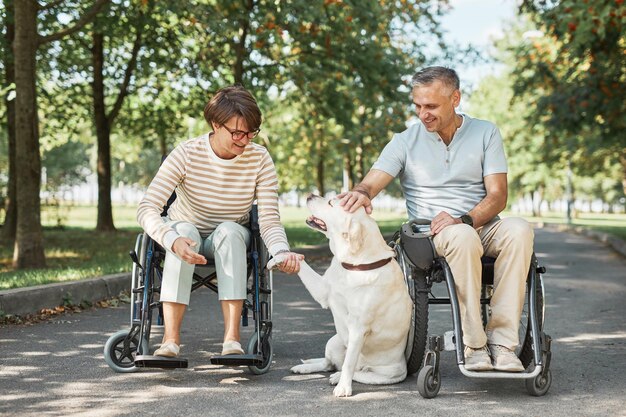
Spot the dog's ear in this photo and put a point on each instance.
(353, 235)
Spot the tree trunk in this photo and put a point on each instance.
(347, 171)
(321, 159)
(539, 201)
(28, 250)
(358, 161)
(103, 133)
(10, 218)
(163, 147)
(240, 47)
(622, 160)
(320, 176)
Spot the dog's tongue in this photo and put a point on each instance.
(319, 222)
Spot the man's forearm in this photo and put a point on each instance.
(373, 183)
(487, 209)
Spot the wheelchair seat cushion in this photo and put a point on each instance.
(417, 246)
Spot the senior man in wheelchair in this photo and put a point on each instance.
(216, 177)
(452, 170)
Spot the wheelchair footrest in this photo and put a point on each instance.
(150, 361)
(236, 360)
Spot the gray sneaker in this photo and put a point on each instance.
(477, 359)
(504, 359)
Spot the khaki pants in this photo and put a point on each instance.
(227, 246)
(510, 241)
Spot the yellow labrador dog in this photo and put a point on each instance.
(365, 290)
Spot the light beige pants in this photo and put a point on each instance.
(227, 246)
(510, 241)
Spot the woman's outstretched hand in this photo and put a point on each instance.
(183, 248)
(288, 262)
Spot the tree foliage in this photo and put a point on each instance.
(133, 76)
(547, 154)
(575, 65)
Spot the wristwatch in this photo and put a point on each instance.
(467, 219)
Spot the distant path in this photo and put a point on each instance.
(57, 368)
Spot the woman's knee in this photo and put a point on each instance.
(190, 231)
(229, 232)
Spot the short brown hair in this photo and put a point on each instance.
(233, 101)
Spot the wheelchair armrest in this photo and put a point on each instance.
(418, 247)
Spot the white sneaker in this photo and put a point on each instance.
(504, 359)
(168, 349)
(232, 347)
(477, 359)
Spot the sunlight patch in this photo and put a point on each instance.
(366, 396)
(233, 381)
(586, 337)
(303, 377)
(34, 353)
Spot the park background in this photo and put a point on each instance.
(95, 92)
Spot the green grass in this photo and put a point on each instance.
(75, 251)
(71, 254)
(614, 224)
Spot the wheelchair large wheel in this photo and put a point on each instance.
(525, 351)
(525, 348)
(268, 353)
(141, 310)
(485, 309)
(119, 352)
(135, 273)
(418, 332)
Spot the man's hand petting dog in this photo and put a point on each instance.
(352, 200)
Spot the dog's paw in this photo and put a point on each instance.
(300, 369)
(343, 390)
(334, 378)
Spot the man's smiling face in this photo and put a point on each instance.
(435, 104)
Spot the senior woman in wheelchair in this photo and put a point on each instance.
(216, 177)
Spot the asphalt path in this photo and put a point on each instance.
(57, 367)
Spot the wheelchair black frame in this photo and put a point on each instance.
(538, 381)
(540, 341)
(141, 315)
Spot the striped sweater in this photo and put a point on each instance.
(211, 190)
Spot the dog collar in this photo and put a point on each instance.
(366, 267)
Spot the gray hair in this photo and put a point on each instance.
(428, 75)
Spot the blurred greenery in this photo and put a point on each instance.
(76, 251)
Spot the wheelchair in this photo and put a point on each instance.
(423, 268)
(129, 350)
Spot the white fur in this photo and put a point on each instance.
(371, 309)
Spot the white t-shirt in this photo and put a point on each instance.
(435, 177)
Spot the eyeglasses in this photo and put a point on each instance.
(240, 134)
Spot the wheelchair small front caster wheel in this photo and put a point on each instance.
(267, 349)
(539, 385)
(119, 352)
(428, 382)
